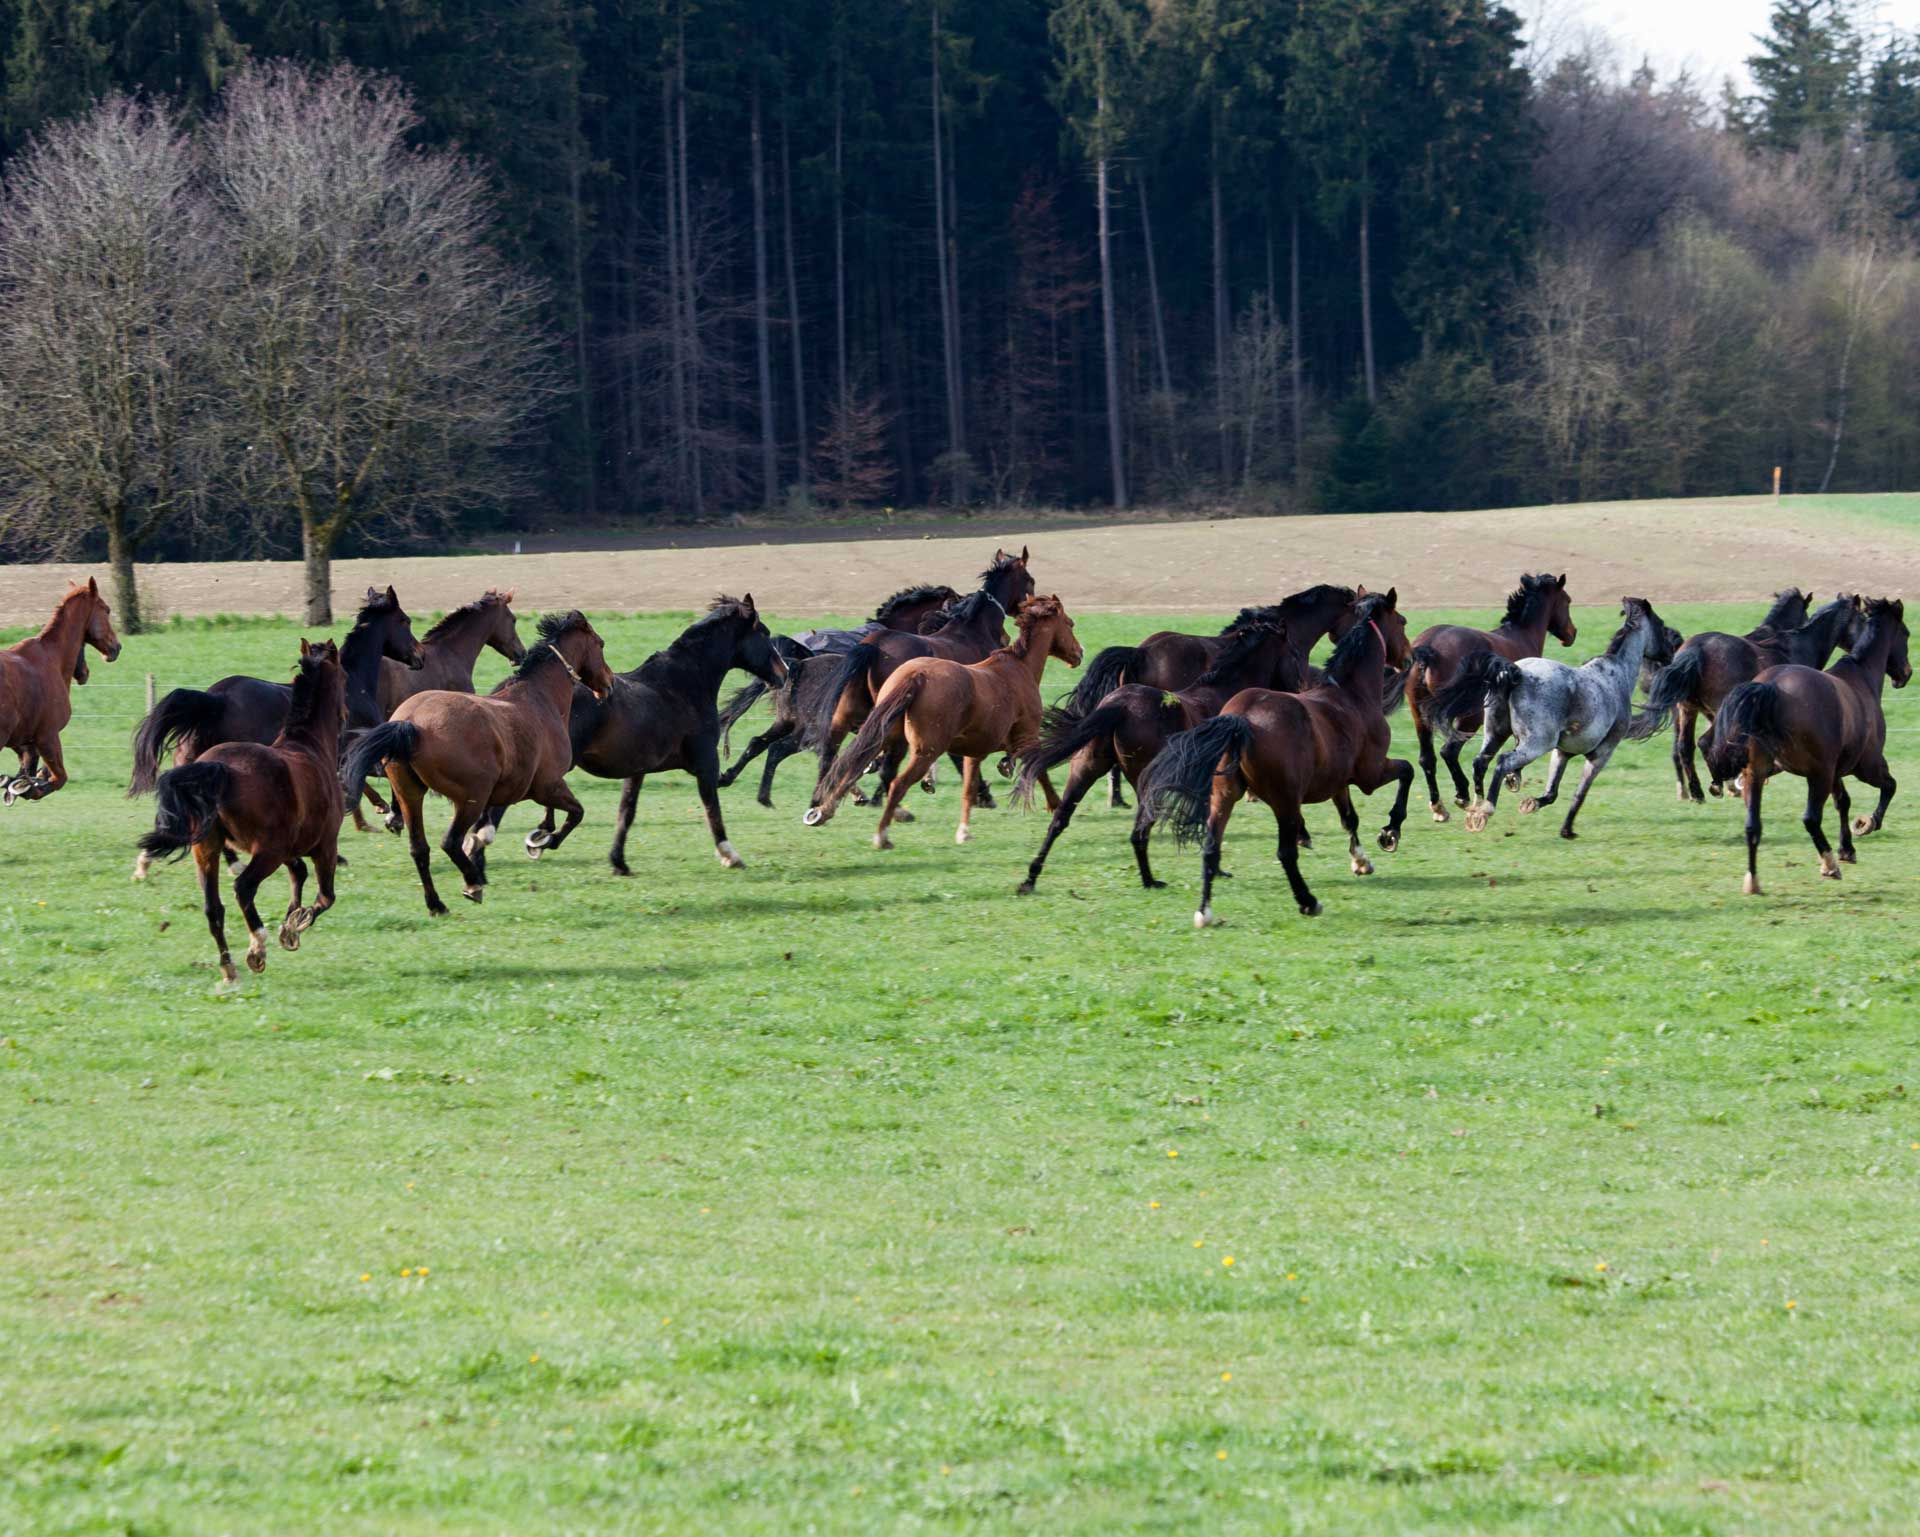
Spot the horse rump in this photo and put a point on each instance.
(1062, 734)
(1465, 693)
(394, 740)
(868, 741)
(1749, 716)
(1179, 786)
(182, 715)
(187, 803)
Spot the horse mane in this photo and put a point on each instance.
(1634, 616)
(1352, 646)
(1310, 597)
(1268, 613)
(966, 610)
(1782, 601)
(491, 598)
(1524, 601)
(77, 590)
(550, 629)
(908, 597)
(1031, 613)
(1877, 609)
(378, 604)
(309, 674)
(1241, 644)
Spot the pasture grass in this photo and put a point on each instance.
(1564, 1188)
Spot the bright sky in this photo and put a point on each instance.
(1712, 37)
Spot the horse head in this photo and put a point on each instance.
(100, 634)
(503, 630)
(396, 638)
(1050, 612)
(753, 647)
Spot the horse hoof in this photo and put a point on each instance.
(1829, 868)
(289, 936)
(728, 858)
(1751, 885)
(1204, 919)
(1119, 803)
(882, 841)
(1311, 909)
(1862, 826)
(928, 785)
(436, 909)
(1154, 885)
(1848, 857)
(8, 795)
(1569, 834)
(765, 800)
(393, 823)
(1362, 866)
(814, 817)
(535, 850)
(903, 815)
(1389, 840)
(1462, 802)
(1304, 841)
(539, 838)
(140, 866)
(257, 953)
(472, 893)
(962, 835)
(1528, 806)
(1476, 820)
(619, 867)
(1513, 781)
(1715, 791)
(1439, 812)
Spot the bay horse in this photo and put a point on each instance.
(36, 688)
(278, 804)
(1826, 727)
(483, 752)
(1537, 608)
(1290, 750)
(1709, 665)
(448, 652)
(664, 715)
(1546, 706)
(930, 706)
(1127, 729)
(187, 721)
(973, 630)
(1174, 659)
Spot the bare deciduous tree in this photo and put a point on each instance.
(104, 312)
(379, 356)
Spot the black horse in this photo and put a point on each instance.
(665, 715)
(795, 704)
(187, 721)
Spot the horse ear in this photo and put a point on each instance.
(1393, 597)
(305, 650)
(93, 587)
(392, 596)
(1023, 554)
(1561, 580)
(1359, 592)
(747, 603)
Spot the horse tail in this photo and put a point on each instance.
(1678, 683)
(869, 739)
(730, 713)
(183, 715)
(1179, 786)
(1101, 677)
(1062, 734)
(1394, 693)
(187, 802)
(392, 741)
(1425, 659)
(1465, 693)
(1749, 715)
(854, 665)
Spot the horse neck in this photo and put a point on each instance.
(1868, 661)
(1310, 628)
(709, 655)
(1365, 682)
(66, 632)
(549, 682)
(1034, 647)
(1633, 650)
(360, 655)
(319, 730)
(463, 640)
(1812, 643)
(1531, 633)
(1258, 667)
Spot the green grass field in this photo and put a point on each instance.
(1536, 1186)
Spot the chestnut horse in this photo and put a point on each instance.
(1127, 729)
(36, 688)
(1174, 659)
(1537, 608)
(1705, 669)
(278, 804)
(931, 706)
(1824, 726)
(1289, 750)
(482, 753)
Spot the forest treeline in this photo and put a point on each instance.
(1353, 254)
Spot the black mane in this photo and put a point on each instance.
(1241, 644)
(372, 609)
(966, 610)
(1267, 613)
(448, 620)
(1525, 600)
(909, 597)
(1775, 616)
(550, 629)
(1353, 645)
(309, 673)
(1634, 616)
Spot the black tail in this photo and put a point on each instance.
(184, 714)
(1679, 682)
(1750, 715)
(1105, 673)
(1466, 692)
(1179, 786)
(1394, 694)
(395, 739)
(867, 741)
(187, 801)
(1062, 734)
(852, 666)
(739, 704)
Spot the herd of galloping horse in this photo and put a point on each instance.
(262, 774)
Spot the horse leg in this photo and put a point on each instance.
(1290, 832)
(1490, 743)
(1227, 790)
(1686, 721)
(454, 845)
(1596, 761)
(1450, 755)
(1115, 798)
(1428, 763)
(1843, 809)
(1817, 792)
(325, 859)
(777, 754)
(706, 770)
(1556, 770)
(1081, 778)
(915, 766)
(758, 745)
(1714, 787)
(970, 786)
(1751, 789)
(245, 885)
(55, 771)
(410, 795)
(622, 820)
(539, 840)
(206, 864)
(1877, 775)
(1350, 825)
(1508, 765)
(982, 791)
(297, 878)
(558, 798)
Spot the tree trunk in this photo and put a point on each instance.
(1221, 308)
(1294, 362)
(677, 364)
(841, 383)
(793, 310)
(1366, 288)
(316, 550)
(126, 593)
(576, 257)
(691, 321)
(762, 319)
(1116, 458)
(1157, 320)
(956, 429)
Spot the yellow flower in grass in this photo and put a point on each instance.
(1227, 1260)
(1220, 1456)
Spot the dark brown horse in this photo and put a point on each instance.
(36, 686)
(1826, 727)
(277, 804)
(914, 609)
(1537, 608)
(1174, 659)
(1289, 750)
(931, 706)
(974, 629)
(1708, 666)
(1127, 729)
(482, 753)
